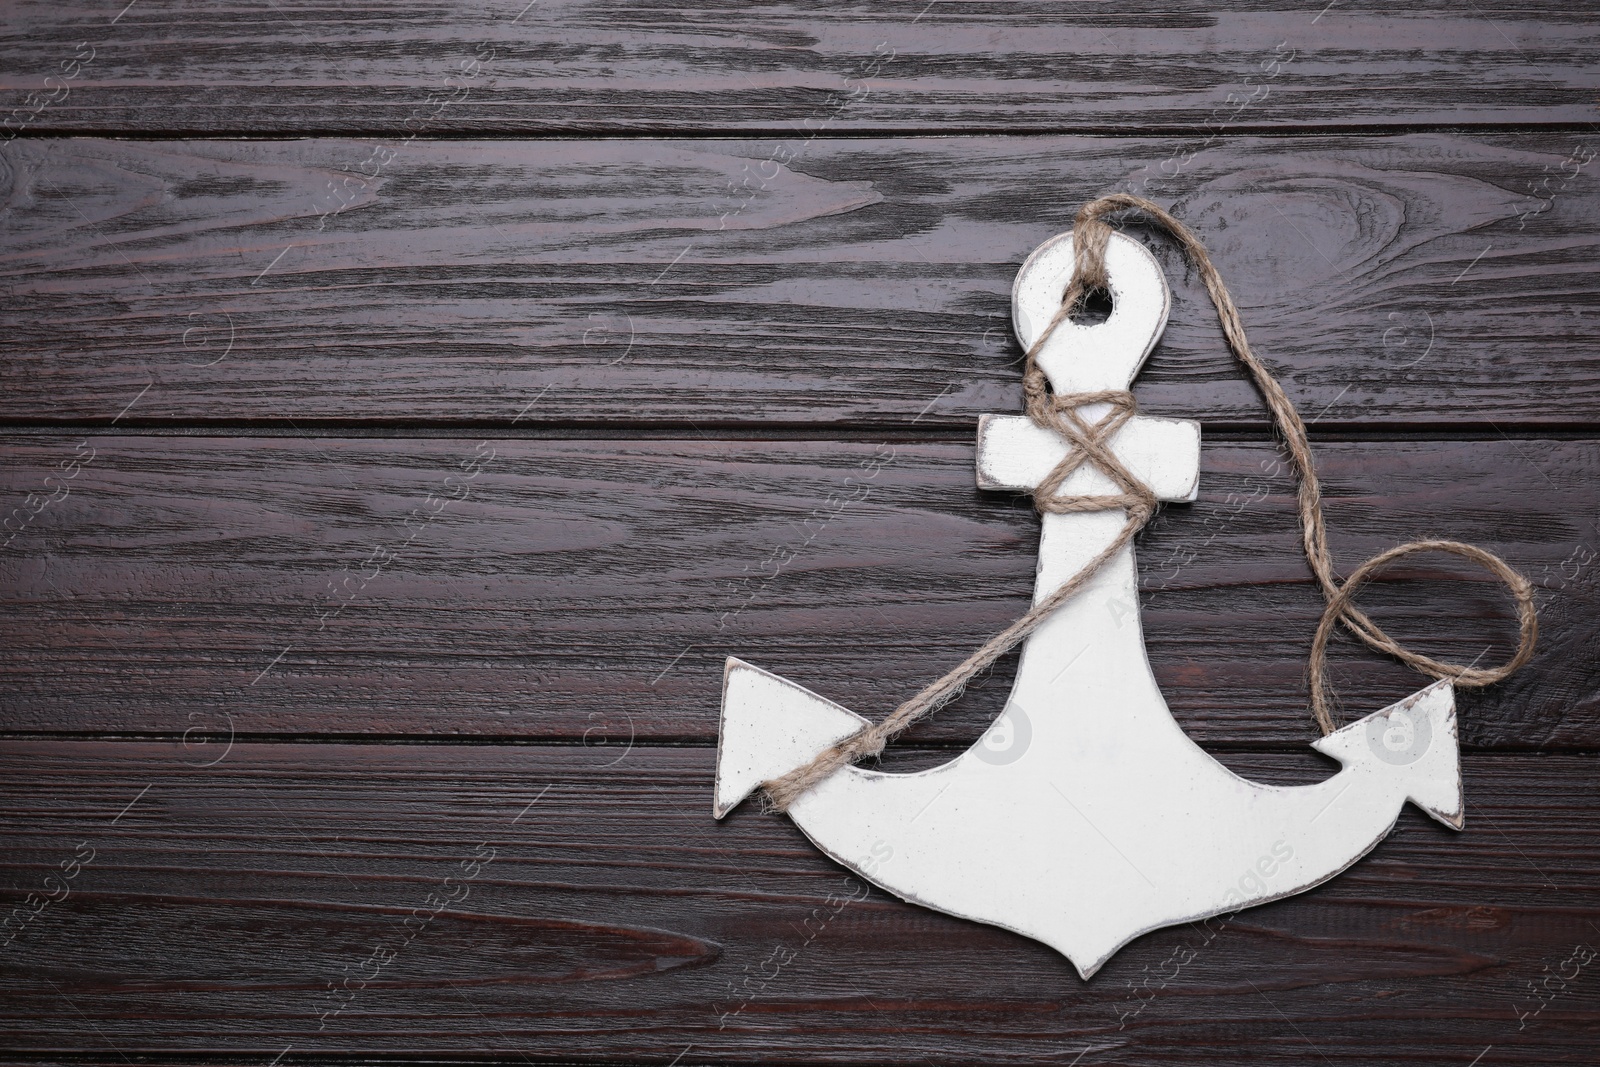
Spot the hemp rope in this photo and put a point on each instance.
(1091, 443)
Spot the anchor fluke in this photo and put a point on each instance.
(770, 726)
(1411, 744)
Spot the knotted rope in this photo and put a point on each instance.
(1091, 443)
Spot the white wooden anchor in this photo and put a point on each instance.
(1085, 816)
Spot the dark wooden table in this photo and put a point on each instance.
(407, 407)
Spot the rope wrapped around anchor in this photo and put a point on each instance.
(1091, 443)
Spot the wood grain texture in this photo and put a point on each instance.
(1423, 280)
(589, 591)
(385, 475)
(601, 915)
(608, 67)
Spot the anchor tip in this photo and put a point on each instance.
(1414, 743)
(769, 727)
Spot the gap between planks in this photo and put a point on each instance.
(935, 430)
(712, 134)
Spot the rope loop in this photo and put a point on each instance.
(1466, 677)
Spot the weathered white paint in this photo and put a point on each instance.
(1085, 816)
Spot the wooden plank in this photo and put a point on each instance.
(585, 590)
(1422, 279)
(599, 912)
(528, 67)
